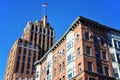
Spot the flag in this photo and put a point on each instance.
(45, 5)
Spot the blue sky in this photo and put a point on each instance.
(14, 14)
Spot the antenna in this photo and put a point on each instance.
(44, 7)
(44, 16)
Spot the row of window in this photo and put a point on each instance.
(41, 30)
(114, 59)
(24, 79)
(97, 40)
(116, 44)
(97, 53)
(90, 68)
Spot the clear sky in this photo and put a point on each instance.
(14, 14)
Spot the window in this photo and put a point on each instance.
(119, 44)
(104, 55)
(28, 78)
(70, 75)
(88, 50)
(60, 68)
(77, 37)
(69, 58)
(90, 66)
(16, 79)
(97, 53)
(102, 41)
(79, 67)
(78, 51)
(113, 57)
(99, 69)
(63, 78)
(110, 43)
(48, 64)
(96, 42)
(106, 71)
(70, 44)
(54, 72)
(63, 66)
(37, 74)
(87, 35)
(115, 72)
(115, 43)
(118, 58)
(22, 79)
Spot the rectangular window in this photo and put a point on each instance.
(87, 35)
(119, 44)
(54, 72)
(110, 43)
(113, 57)
(96, 42)
(70, 44)
(70, 75)
(63, 66)
(115, 72)
(88, 50)
(78, 51)
(102, 41)
(37, 74)
(90, 66)
(79, 67)
(99, 69)
(104, 55)
(69, 58)
(118, 58)
(60, 68)
(97, 53)
(115, 43)
(106, 71)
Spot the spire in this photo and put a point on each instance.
(45, 16)
(44, 20)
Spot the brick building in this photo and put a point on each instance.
(82, 53)
(36, 40)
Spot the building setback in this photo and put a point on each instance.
(114, 48)
(82, 53)
(36, 40)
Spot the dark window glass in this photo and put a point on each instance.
(25, 43)
(24, 57)
(99, 69)
(31, 38)
(104, 55)
(87, 35)
(89, 66)
(78, 51)
(118, 58)
(96, 42)
(40, 30)
(19, 50)
(17, 66)
(119, 45)
(110, 43)
(113, 57)
(32, 27)
(51, 33)
(97, 53)
(115, 43)
(106, 71)
(102, 41)
(23, 65)
(88, 50)
(79, 67)
(115, 72)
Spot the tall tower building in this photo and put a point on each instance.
(36, 40)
